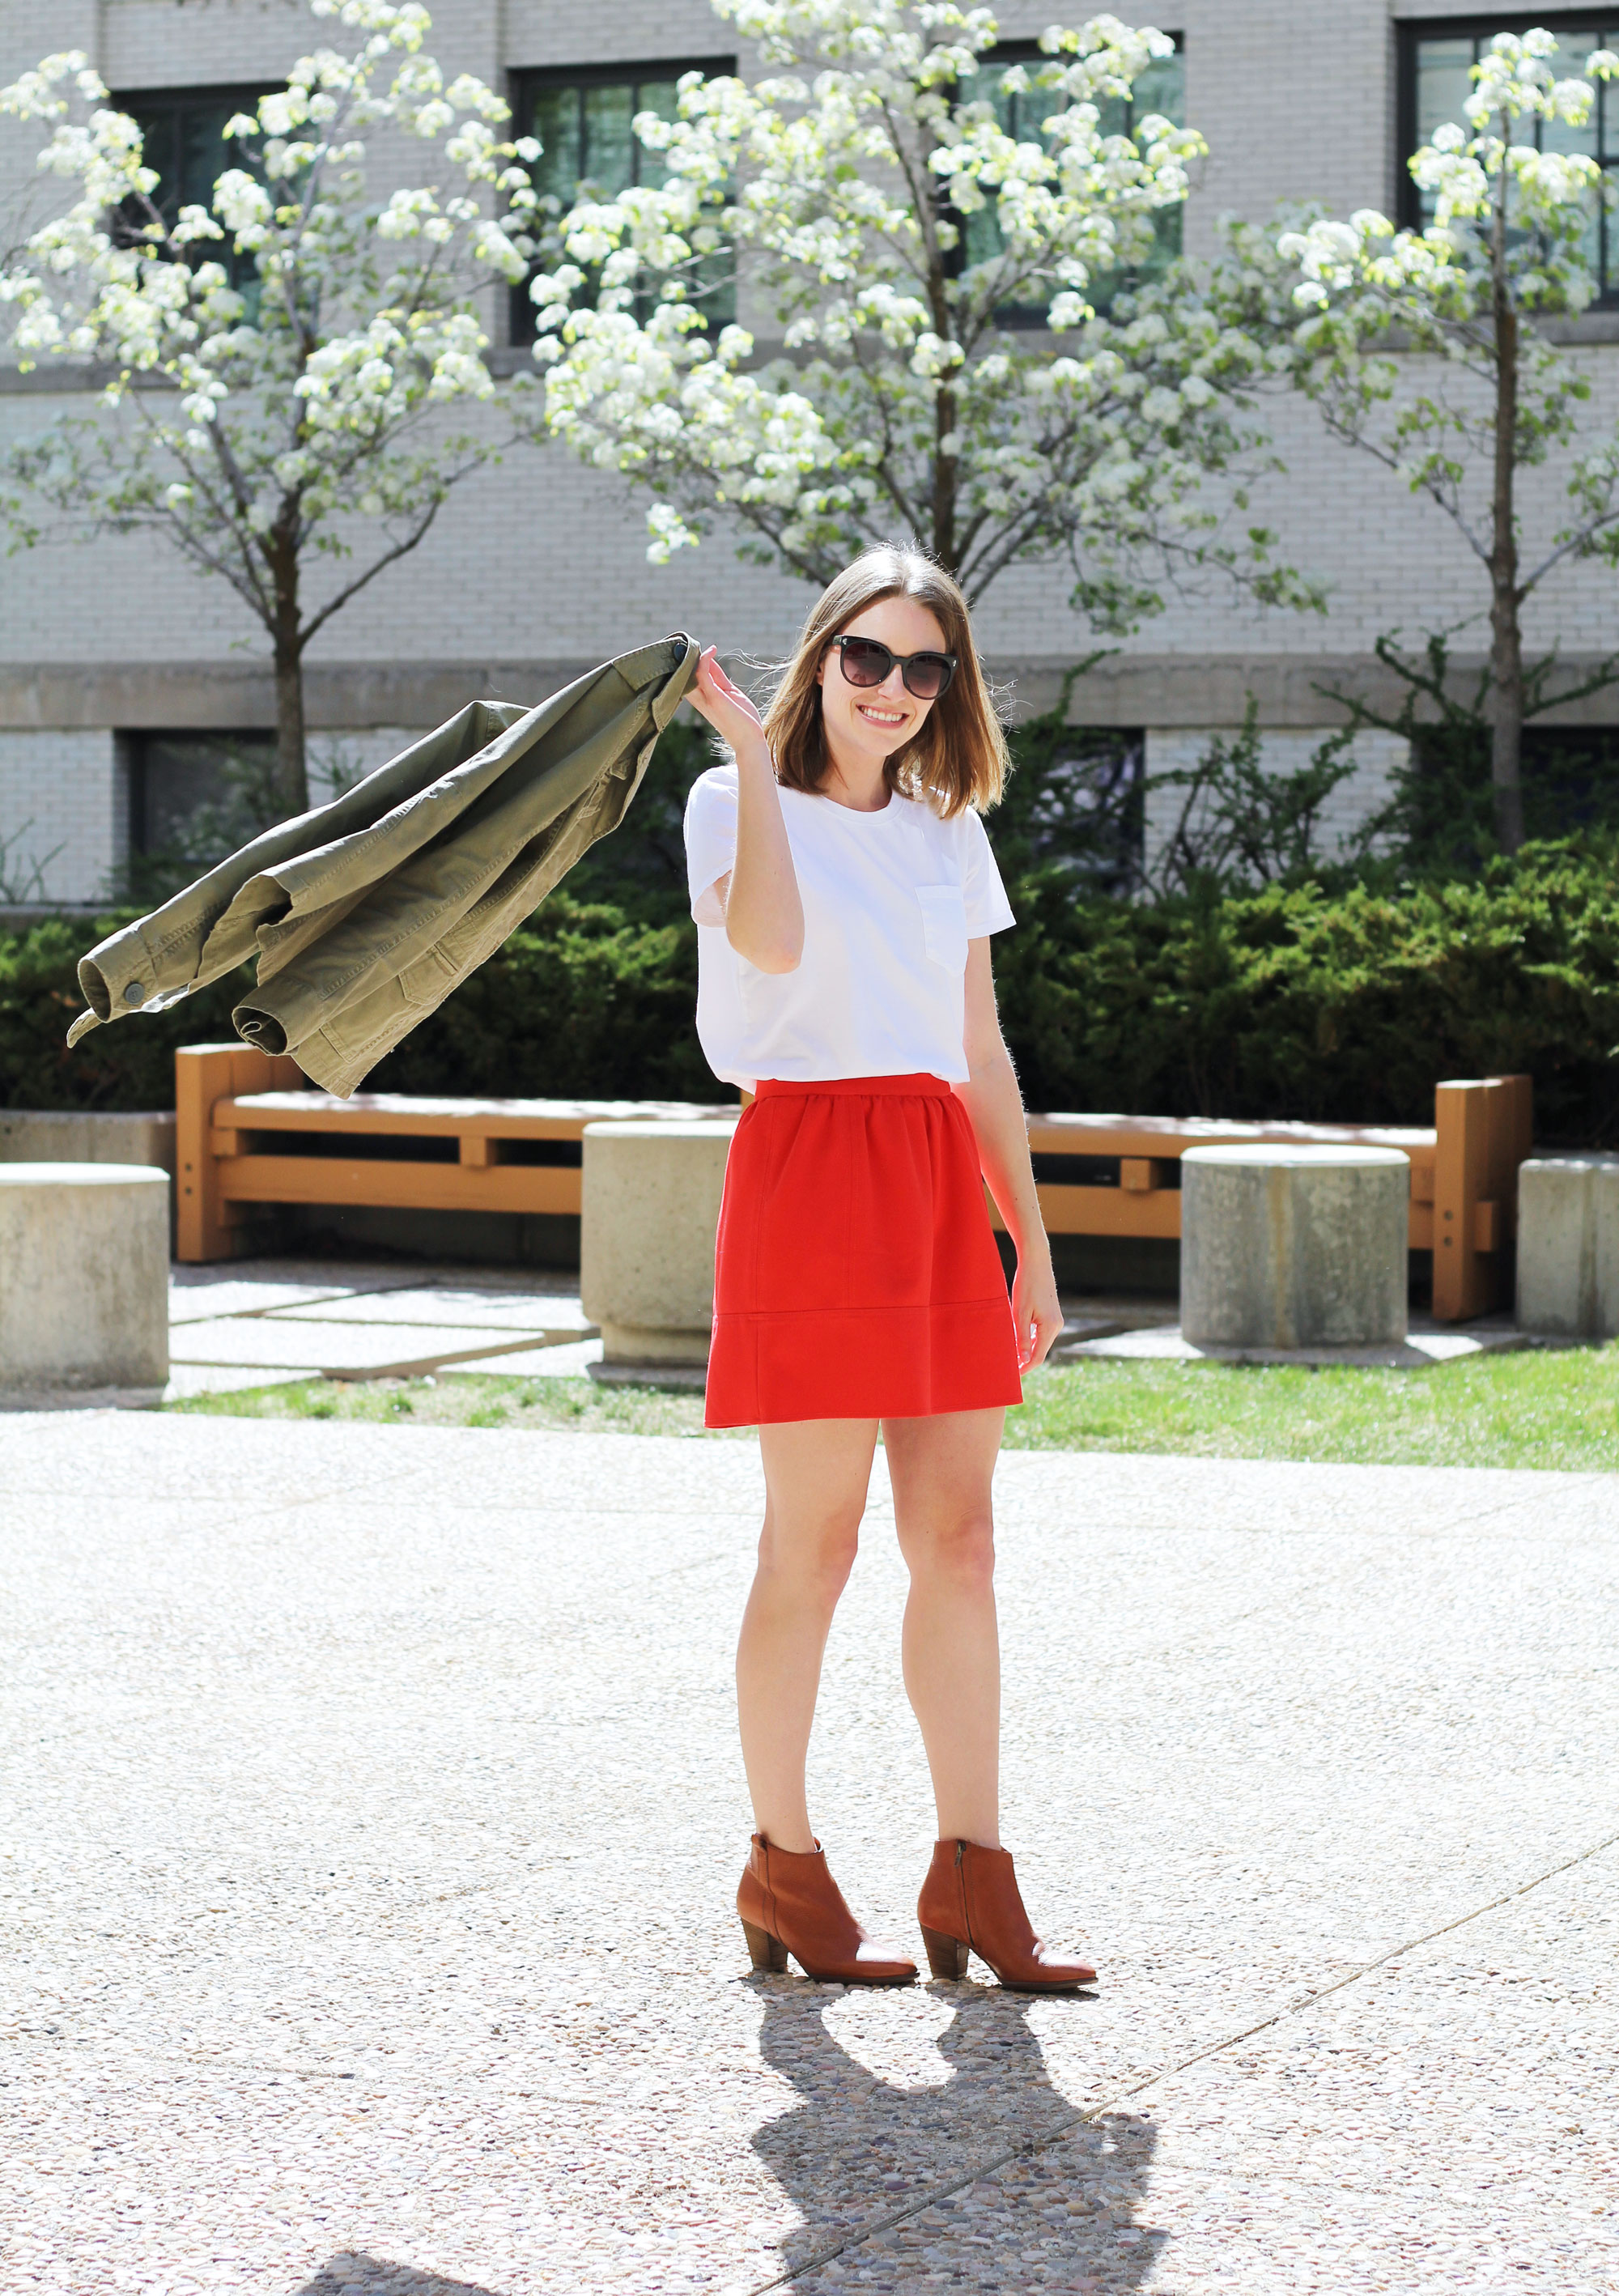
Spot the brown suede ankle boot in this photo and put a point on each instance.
(789, 1903)
(970, 1900)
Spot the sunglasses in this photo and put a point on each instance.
(867, 661)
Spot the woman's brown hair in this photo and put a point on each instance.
(958, 757)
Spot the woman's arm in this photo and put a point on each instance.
(994, 1107)
(759, 895)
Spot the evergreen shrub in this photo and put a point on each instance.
(1333, 1004)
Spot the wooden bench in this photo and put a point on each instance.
(250, 1133)
(1464, 1178)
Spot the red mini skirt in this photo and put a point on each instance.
(855, 1273)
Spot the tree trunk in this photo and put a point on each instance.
(292, 776)
(1506, 634)
(292, 770)
(945, 470)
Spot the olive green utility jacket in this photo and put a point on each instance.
(366, 913)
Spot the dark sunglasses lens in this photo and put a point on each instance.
(865, 661)
(928, 675)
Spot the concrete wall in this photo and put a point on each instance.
(1288, 751)
(538, 567)
(63, 814)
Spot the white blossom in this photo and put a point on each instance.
(316, 388)
(902, 398)
(1348, 304)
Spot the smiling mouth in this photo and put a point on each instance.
(884, 718)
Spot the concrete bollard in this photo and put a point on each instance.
(84, 1276)
(92, 1136)
(651, 1209)
(87, 1135)
(1294, 1247)
(1568, 1246)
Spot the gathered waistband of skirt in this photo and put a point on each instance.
(774, 1087)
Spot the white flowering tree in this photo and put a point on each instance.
(921, 354)
(1507, 250)
(303, 418)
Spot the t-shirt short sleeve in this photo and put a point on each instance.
(710, 828)
(988, 910)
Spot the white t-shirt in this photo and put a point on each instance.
(891, 901)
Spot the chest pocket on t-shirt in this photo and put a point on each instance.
(945, 925)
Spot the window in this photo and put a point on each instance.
(183, 132)
(1161, 88)
(1076, 802)
(194, 799)
(582, 119)
(1435, 80)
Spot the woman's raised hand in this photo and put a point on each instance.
(725, 706)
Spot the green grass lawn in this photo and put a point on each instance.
(1557, 1407)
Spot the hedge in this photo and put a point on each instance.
(1341, 1005)
(1289, 1002)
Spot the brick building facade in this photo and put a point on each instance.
(538, 567)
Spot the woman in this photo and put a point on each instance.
(846, 894)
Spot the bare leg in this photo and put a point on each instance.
(941, 1469)
(816, 1472)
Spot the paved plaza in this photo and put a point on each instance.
(254, 1322)
(257, 1323)
(371, 1815)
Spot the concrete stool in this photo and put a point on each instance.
(84, 1276)
(93, 1135)
(1294, 1247)
(651, 1207)
(1568, 1246)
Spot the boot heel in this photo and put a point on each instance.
(946, 1956)
(764, 1951)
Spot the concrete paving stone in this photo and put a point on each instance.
(253, 1287)
(204, 1303)
(369, 1855)
(546, 1282)
(244, 1287)
(378, 1348)
(187, 1379)
(556, 1314)
(571, 1361)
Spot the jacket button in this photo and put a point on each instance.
(134, 994)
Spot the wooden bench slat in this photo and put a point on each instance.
(1169, 1136)
(400, 1186)
(533, 1119)
(1074, 1210)
(1069, 1209)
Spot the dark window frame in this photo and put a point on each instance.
(524, 82)
(1409, 35)
(229, 95)
(1028, 317)
(195, 758)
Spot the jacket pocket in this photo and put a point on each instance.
(945, 925)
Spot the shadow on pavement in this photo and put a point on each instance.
(349, 2275)
(856, 2148)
